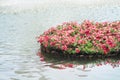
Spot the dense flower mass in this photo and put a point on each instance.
(88, 37)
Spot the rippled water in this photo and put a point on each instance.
(20, 24)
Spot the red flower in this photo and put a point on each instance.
(69, 65)
(110, 43)
(87, 32)
(98, 37)
(105, 49)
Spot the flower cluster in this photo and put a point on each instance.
(88, 37)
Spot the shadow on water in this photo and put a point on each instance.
(63, 63)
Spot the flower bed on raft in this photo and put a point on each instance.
(88, 39)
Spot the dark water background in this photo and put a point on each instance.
(20, 24)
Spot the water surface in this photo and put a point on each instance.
(20, 24)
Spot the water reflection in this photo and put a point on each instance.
(83, 63)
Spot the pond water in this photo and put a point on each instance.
(22, 21)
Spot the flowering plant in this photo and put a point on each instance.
(88, 37)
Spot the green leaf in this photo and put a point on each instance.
(75, 44)
(59, 27)
(112, 30)
(88, 44)
(73, 52)
(69, 51)
(88, 50)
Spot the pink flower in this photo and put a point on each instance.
(52, 43)
(45, 44)
(88, 23)
(46, 38)
(83, 42)
(42, 59)
(79, 41)
(70, 27)
(63, 42)
(118, 36)
(81, 31)
(64, 47)
(77, 50)
(41, 39)
(71, 39)
(105, 23)
(64, 23)
(119, 39)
